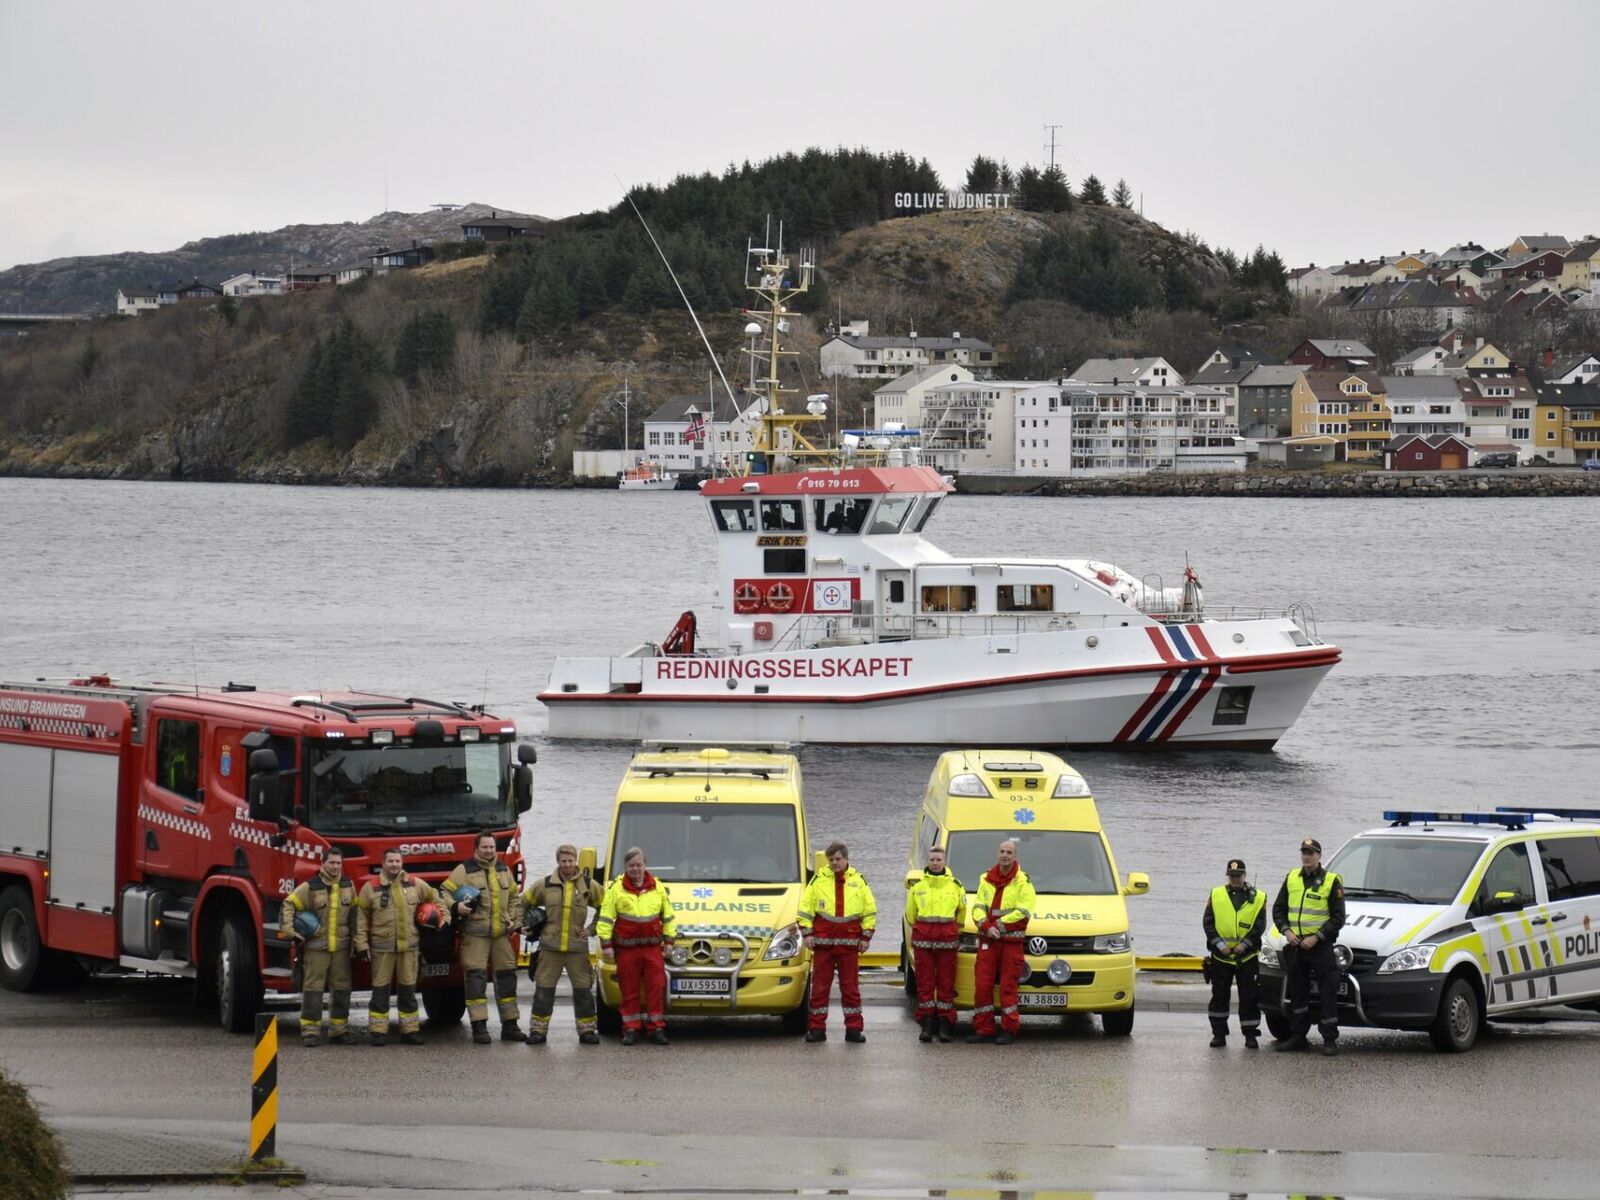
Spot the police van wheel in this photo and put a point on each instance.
(1460, 1018)
(1117, 1024)
(1277, 1023)
(445, 1005)
(22, 953)
(238, 976)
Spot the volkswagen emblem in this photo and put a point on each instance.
(1037, 945)
(700, 951)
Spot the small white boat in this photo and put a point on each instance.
(647, 477)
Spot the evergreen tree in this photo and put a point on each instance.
(983, 175)
(307, 409)
(354, 363)
(588, 286)
(427, 342)
(1093, 191)
(1054, 193)
(1008, 181)
(1122, 197)
(1029, 196)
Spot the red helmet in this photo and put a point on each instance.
(429, 916)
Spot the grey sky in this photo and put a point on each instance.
(1330, 131)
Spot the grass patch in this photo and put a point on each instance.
(31, 1164)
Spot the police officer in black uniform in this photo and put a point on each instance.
(1309, 912)
(1235, 919)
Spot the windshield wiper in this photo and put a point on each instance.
(1366, 891)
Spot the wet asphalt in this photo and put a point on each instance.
(738, 1108)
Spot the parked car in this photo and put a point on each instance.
(1497, 458)
(1591, 464)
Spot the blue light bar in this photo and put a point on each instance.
(1510, 818)
(1570, 814)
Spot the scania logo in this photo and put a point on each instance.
(426, 848)
(1037, 945)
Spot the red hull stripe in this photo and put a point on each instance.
(1299, 661)
(1160, 643)
(1143, 711)
(1189, 706)
(1200, 641)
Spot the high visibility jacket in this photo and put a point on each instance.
(1235, 915)
(636, 918)
(1008, 906)
(568, 903)
(499, 903)
(937, 899)
(838, 910)
(335, 906)
(387, 917)
(1314, 905)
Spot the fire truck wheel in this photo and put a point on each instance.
(22, 956)
(238, 976)
(445, 1005)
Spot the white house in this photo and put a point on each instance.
(1580, 368)
(354, 272)
(1074, 428)
(251, 284)
(132, 301)
(685, 434)
(1149, 372)
(902, 399)
(1312, 283)
(1500, 409)
(970, 425)
(1424, 405)
(858, 356)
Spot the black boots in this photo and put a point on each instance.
(480, 1033)
(928, 1026)
(630, 1038)
(587, 1038)
(411, 1039)
(535, 1038)
(816, 1035)
(854, 1035)
(659, 1038)
(510, 1032)
(947, 1030)
(1218, 1040)
(377, 1039)
(1250, 1042)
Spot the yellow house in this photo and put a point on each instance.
(1482, 356)
(1582, 266)
(1345, 405)
(1371, 426)
(1409, 263)
(1567, 422)
(1547, 429)
(1528, 244)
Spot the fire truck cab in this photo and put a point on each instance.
(155, 829)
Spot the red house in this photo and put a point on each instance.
(1439, 452)
(1332, 354)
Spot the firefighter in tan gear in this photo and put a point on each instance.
(569, 901)
(330, 898)
(484, 899)
(386, 928)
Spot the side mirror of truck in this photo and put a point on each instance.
(522, 787)
(266, 789)
(588, 858)
(527, 753)
(1138, 884)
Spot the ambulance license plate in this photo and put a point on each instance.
(714, 986)
(1344, 988)
(432, 970)
(1043, 1000)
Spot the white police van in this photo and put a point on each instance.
(1452, 918)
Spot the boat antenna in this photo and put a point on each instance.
(628, 196)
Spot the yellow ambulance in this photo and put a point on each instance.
(724, 829)
(1079, 950)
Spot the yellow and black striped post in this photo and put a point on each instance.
(264, 1090)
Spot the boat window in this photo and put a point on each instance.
(892, 513)
(1024, 597)
(931, 505)
(784, 562)
(939, 597)
(783, 515)
(840, 516)
(734, 516)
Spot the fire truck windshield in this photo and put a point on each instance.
(410, 789)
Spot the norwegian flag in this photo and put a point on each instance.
(696, 431)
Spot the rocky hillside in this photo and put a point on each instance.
(89, 284)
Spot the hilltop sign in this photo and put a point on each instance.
(933, 201)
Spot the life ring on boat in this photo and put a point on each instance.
(746, 598)
(780, 597)
(1106, 577)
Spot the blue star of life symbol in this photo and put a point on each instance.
(702, 892)
(1023, 816)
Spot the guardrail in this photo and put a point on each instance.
(889, 960)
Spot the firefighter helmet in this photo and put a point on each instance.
(430, 916)
(468, 895)
(306, 924)
(533, 921)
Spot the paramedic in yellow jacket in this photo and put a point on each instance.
(485, 901)
(570, 901)
(637, 927)
(1000, 910)
(936, 910)
(837, 916)
(386, 928)
(325, 953)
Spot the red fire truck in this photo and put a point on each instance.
(156, 829)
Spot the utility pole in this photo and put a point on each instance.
(1050, 146)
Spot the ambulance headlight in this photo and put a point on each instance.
(1412, 958)
(1113, 943)
(784, 944)
(968, 785)
(1059, 971)
(721, 956)
(678, 956)
(1070, 785)
(1269, 955)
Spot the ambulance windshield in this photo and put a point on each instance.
(711, 843)
(409, 789)
(1060, 863)
(1405, 870)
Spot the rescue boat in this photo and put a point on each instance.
(842, 623)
